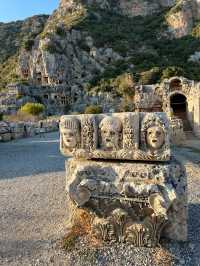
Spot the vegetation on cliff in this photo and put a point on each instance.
(148, 51)
(14, 36)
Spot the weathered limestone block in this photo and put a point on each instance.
(5, 137)
(122, 136)
(5, 134)
(128, 201)
(132, 202)
(177, 134)
(17, 130)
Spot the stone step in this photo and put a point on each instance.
(190, 135)
(186, 125)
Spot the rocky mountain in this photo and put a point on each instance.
(13, 37)
(88, 44)
(183, 17)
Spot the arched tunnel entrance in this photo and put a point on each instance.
(179, 106)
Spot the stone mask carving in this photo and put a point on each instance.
(121, 136)
(155, 133)
(111, 129)
(155, 137)
(70, 130)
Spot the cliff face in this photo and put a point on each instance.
(66, 54)
(183, 17)
(14, 36)
(87, 43)
(126, 7)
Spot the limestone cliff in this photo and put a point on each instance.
(64, 53)
(14, 36)
(183, 17)
(125, 7)
(87, 44)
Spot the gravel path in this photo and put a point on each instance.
(33, 211)
(32, 197)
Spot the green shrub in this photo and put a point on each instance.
(1, 116)
(60, 31)
(196, 30)
(124, 84)
(50, 47)
(93, 109)
(172, 71)
(28, 44)
(82, 45)
(8, 71)
(126, 105)
(151, 76)
(19, 96)
(32, 108)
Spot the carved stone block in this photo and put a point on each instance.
(133, 202)
(122, 136)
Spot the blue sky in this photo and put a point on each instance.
(11, 10)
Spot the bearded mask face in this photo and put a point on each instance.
(110, 133)
(110, 138)
(155, 137)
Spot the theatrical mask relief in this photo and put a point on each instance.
(123, 136)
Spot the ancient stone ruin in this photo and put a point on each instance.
(123, 136)
(123, 175)
(178, 97)
(16, 130)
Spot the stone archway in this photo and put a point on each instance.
(178, 103)
(179, 106)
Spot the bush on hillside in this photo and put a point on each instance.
(33, 108)
(93, 109)
(151, 76)
(125, 84)
(60, 31)
(28, 44)
(171, 72)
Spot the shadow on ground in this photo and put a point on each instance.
(31, 156)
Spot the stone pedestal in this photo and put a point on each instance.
(131, 202)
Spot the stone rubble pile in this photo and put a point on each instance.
(15, 130)
(124, 177)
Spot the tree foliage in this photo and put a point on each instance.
(33, 108)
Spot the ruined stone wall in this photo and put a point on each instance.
(16, 130)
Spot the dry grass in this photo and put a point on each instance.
(82, 221)
(162, 257)
(21, 116)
